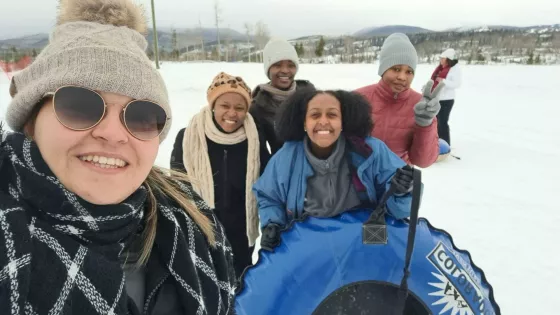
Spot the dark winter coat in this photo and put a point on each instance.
(264, 110)
(64, 255)
(229, 168)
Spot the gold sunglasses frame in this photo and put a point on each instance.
(122, 114)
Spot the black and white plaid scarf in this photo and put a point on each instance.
(60, 254)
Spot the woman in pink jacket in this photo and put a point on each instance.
(404, 119)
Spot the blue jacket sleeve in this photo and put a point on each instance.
(387, 165)
(271, 194)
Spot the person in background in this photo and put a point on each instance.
(88, 224)
(448, 73)
(280, 67)
(404, 119)
(221, 150)
(329, 164)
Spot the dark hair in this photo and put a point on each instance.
(452, 62)
(356, 114)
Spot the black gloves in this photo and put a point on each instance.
(402, 181)
(270, 237)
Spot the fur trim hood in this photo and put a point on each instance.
(111, 12)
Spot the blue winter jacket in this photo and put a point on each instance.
(281, 190)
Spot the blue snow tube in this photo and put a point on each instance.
(444, 150)
(357, 263)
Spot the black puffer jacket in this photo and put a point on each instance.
(229, 167)
(264, 110)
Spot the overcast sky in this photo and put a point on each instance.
(293, 18)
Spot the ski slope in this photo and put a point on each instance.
(499, 201)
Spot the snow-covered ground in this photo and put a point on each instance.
(500, 201)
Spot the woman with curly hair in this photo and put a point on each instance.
(328, 164)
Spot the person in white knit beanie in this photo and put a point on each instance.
(89, 225)
(281, 65)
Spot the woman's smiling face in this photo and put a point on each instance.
(102, 165)
(323, 121)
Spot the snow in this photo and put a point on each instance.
(499, 201)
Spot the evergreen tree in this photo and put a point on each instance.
(531, 60)
(174, 48)
(14, 54)
(480, 56)
(300, 50)
(538, 60)
(215, 54)
(320, 48)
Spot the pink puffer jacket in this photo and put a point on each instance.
(393, 116)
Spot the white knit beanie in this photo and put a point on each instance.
(449, 54)
(97, 44)
(277, 50)
(397, 50)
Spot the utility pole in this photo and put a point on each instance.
(201, 38)
(156, 52)
(228, 42)
(248, 30)
(217, 20)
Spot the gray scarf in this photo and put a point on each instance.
(279, 95)
(330, 190)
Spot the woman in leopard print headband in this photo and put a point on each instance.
(222, 150)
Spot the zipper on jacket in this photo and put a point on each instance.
(153, 293)
(225, 202)
(331, 192)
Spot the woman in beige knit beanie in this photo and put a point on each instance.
(88, 224)
(221, 149)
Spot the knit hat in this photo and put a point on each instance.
(95, 44)
(225, 83)
(277, 50)
(397, 50)
(449, 54)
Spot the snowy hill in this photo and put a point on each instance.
(37, 41)
(487, 28)
(481, 44)
(474, 44)
(185, 37)
(389, 29)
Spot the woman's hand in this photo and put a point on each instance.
(403, 180)
(428, 107)
(270, 237)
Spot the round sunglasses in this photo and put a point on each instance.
(80, 109)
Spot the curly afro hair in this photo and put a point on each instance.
(356, 114)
